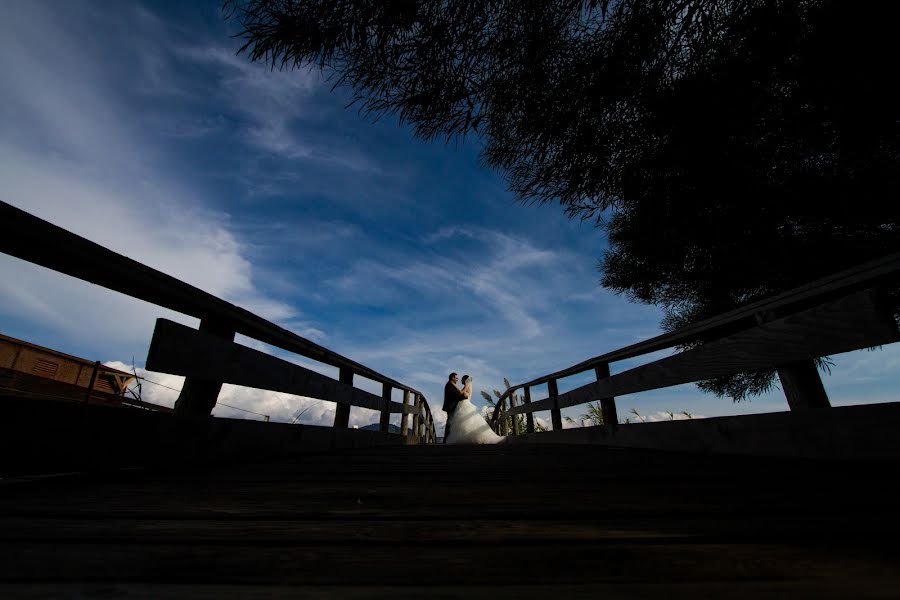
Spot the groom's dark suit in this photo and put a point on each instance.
(452, 397)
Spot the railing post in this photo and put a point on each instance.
(515, 418)
(385, 422)
(420, 434)
(198, 396)
(342, 411)
(802, 385)
(90, 389)
(416, 417)
(404, 420)
(607, 405)
(529, 416)
(555, 414)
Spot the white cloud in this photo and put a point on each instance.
(274, 105)
(511, 277)
(89, 169)
(235, 401)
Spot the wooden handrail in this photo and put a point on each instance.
(37, 241)
(798, 299)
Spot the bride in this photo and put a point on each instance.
(467, 426)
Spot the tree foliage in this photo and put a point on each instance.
(732, 149)
(513, 398)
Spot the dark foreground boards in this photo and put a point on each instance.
(442, 522)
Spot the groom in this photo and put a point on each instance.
(452, 396)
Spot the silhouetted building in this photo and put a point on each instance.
(44, 372)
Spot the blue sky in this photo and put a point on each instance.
(135, 125)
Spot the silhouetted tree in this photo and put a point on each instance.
(594, 414)
(731, 148)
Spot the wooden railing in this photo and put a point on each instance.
(843, 312)
(208, 357)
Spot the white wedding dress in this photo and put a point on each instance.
(467, 426)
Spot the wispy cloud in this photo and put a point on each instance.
(500, 274)
(95, 174)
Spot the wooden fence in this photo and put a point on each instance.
(209, 357)
(846, 311)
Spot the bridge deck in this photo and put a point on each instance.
(570, 520)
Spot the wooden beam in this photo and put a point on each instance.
(802, 385)
(423, 423)
(555, 412)
(199, 395)
(420, 435)
(851, 323)
(515, 420)
(607, 405)
(538, 405)
(529, 417)
(342, 411)
(180, 350)
(417, 415)
(385, 421)
(90, 388)
(404, 420)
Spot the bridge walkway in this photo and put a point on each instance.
(429, 521)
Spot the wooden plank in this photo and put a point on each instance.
(312, 532)
(596, 514)
(420, 434)
(342, 411)
(529, 417)
(404, 420)
(537, 405)
(607, 405)
(417, 415)
(198, 395)
(90, 388)
(515, 421)
(802, 385)
(297, 563)
(180, 350)
(73, 255)
(399, 409)
(385, 420)
(555, 413)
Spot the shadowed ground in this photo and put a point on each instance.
(551, 520)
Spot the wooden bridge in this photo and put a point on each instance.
(105, 501)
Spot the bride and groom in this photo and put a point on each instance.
(465, 425)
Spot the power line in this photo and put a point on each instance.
(159, 384)
(243, 409)
(217, 403)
